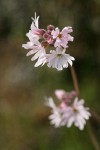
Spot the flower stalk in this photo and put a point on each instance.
(75, 81)
(89, 126)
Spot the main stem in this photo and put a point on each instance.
(76, 87)
(75, 81)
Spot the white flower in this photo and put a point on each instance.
(55, 117)
(35, 27)
(34, 40)
(59, 59)
(36, 49)
(76, 114)
(33, 32)
(39, 53)
(40, 40)
(63, 37)
(41, 58)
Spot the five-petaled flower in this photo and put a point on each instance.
(62, 38)
(59, 59)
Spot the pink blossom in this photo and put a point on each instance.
(62, 38)
(65, 96)
(67, 115)
(60, 94)
(34, 40)
(76, 114)
(41, 42)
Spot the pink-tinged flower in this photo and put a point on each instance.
(39, 54)
(60, 94)
(63, 105)
(41, 59)
(64, 96)
(34, 40)
(62, 38)
(28, 45)
(35, 27)
(67, 114)
(55, 117)
(59, 59)
(41, 41)
(76, 114)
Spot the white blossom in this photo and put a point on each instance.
(59, 59)
(41, 41)
(33, 41)
(67, 114)
(55, 117)
(76, 114)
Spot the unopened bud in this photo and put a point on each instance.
(39, 32)
(50, 41)
(44, 43)
(46, 36)
(50, 27)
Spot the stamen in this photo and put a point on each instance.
(59, 55)
(60, 36)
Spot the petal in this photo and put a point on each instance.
(70, 121)
(31, 52)
(66, 30)
(55, 33)
(36, 56)
(41, 61)
(70, 62)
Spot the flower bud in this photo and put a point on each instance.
(50, 41)
(44, 43)
(39, 32)
(46, 36)
(50, 27)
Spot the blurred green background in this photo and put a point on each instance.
(24, 123)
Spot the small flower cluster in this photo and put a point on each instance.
(70, 111)
(49, 46)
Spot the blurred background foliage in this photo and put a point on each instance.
(24, 121)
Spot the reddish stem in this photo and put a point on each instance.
(75, 81)
(76, 87)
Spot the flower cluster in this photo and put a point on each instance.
(48, 46)
(70, 111)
